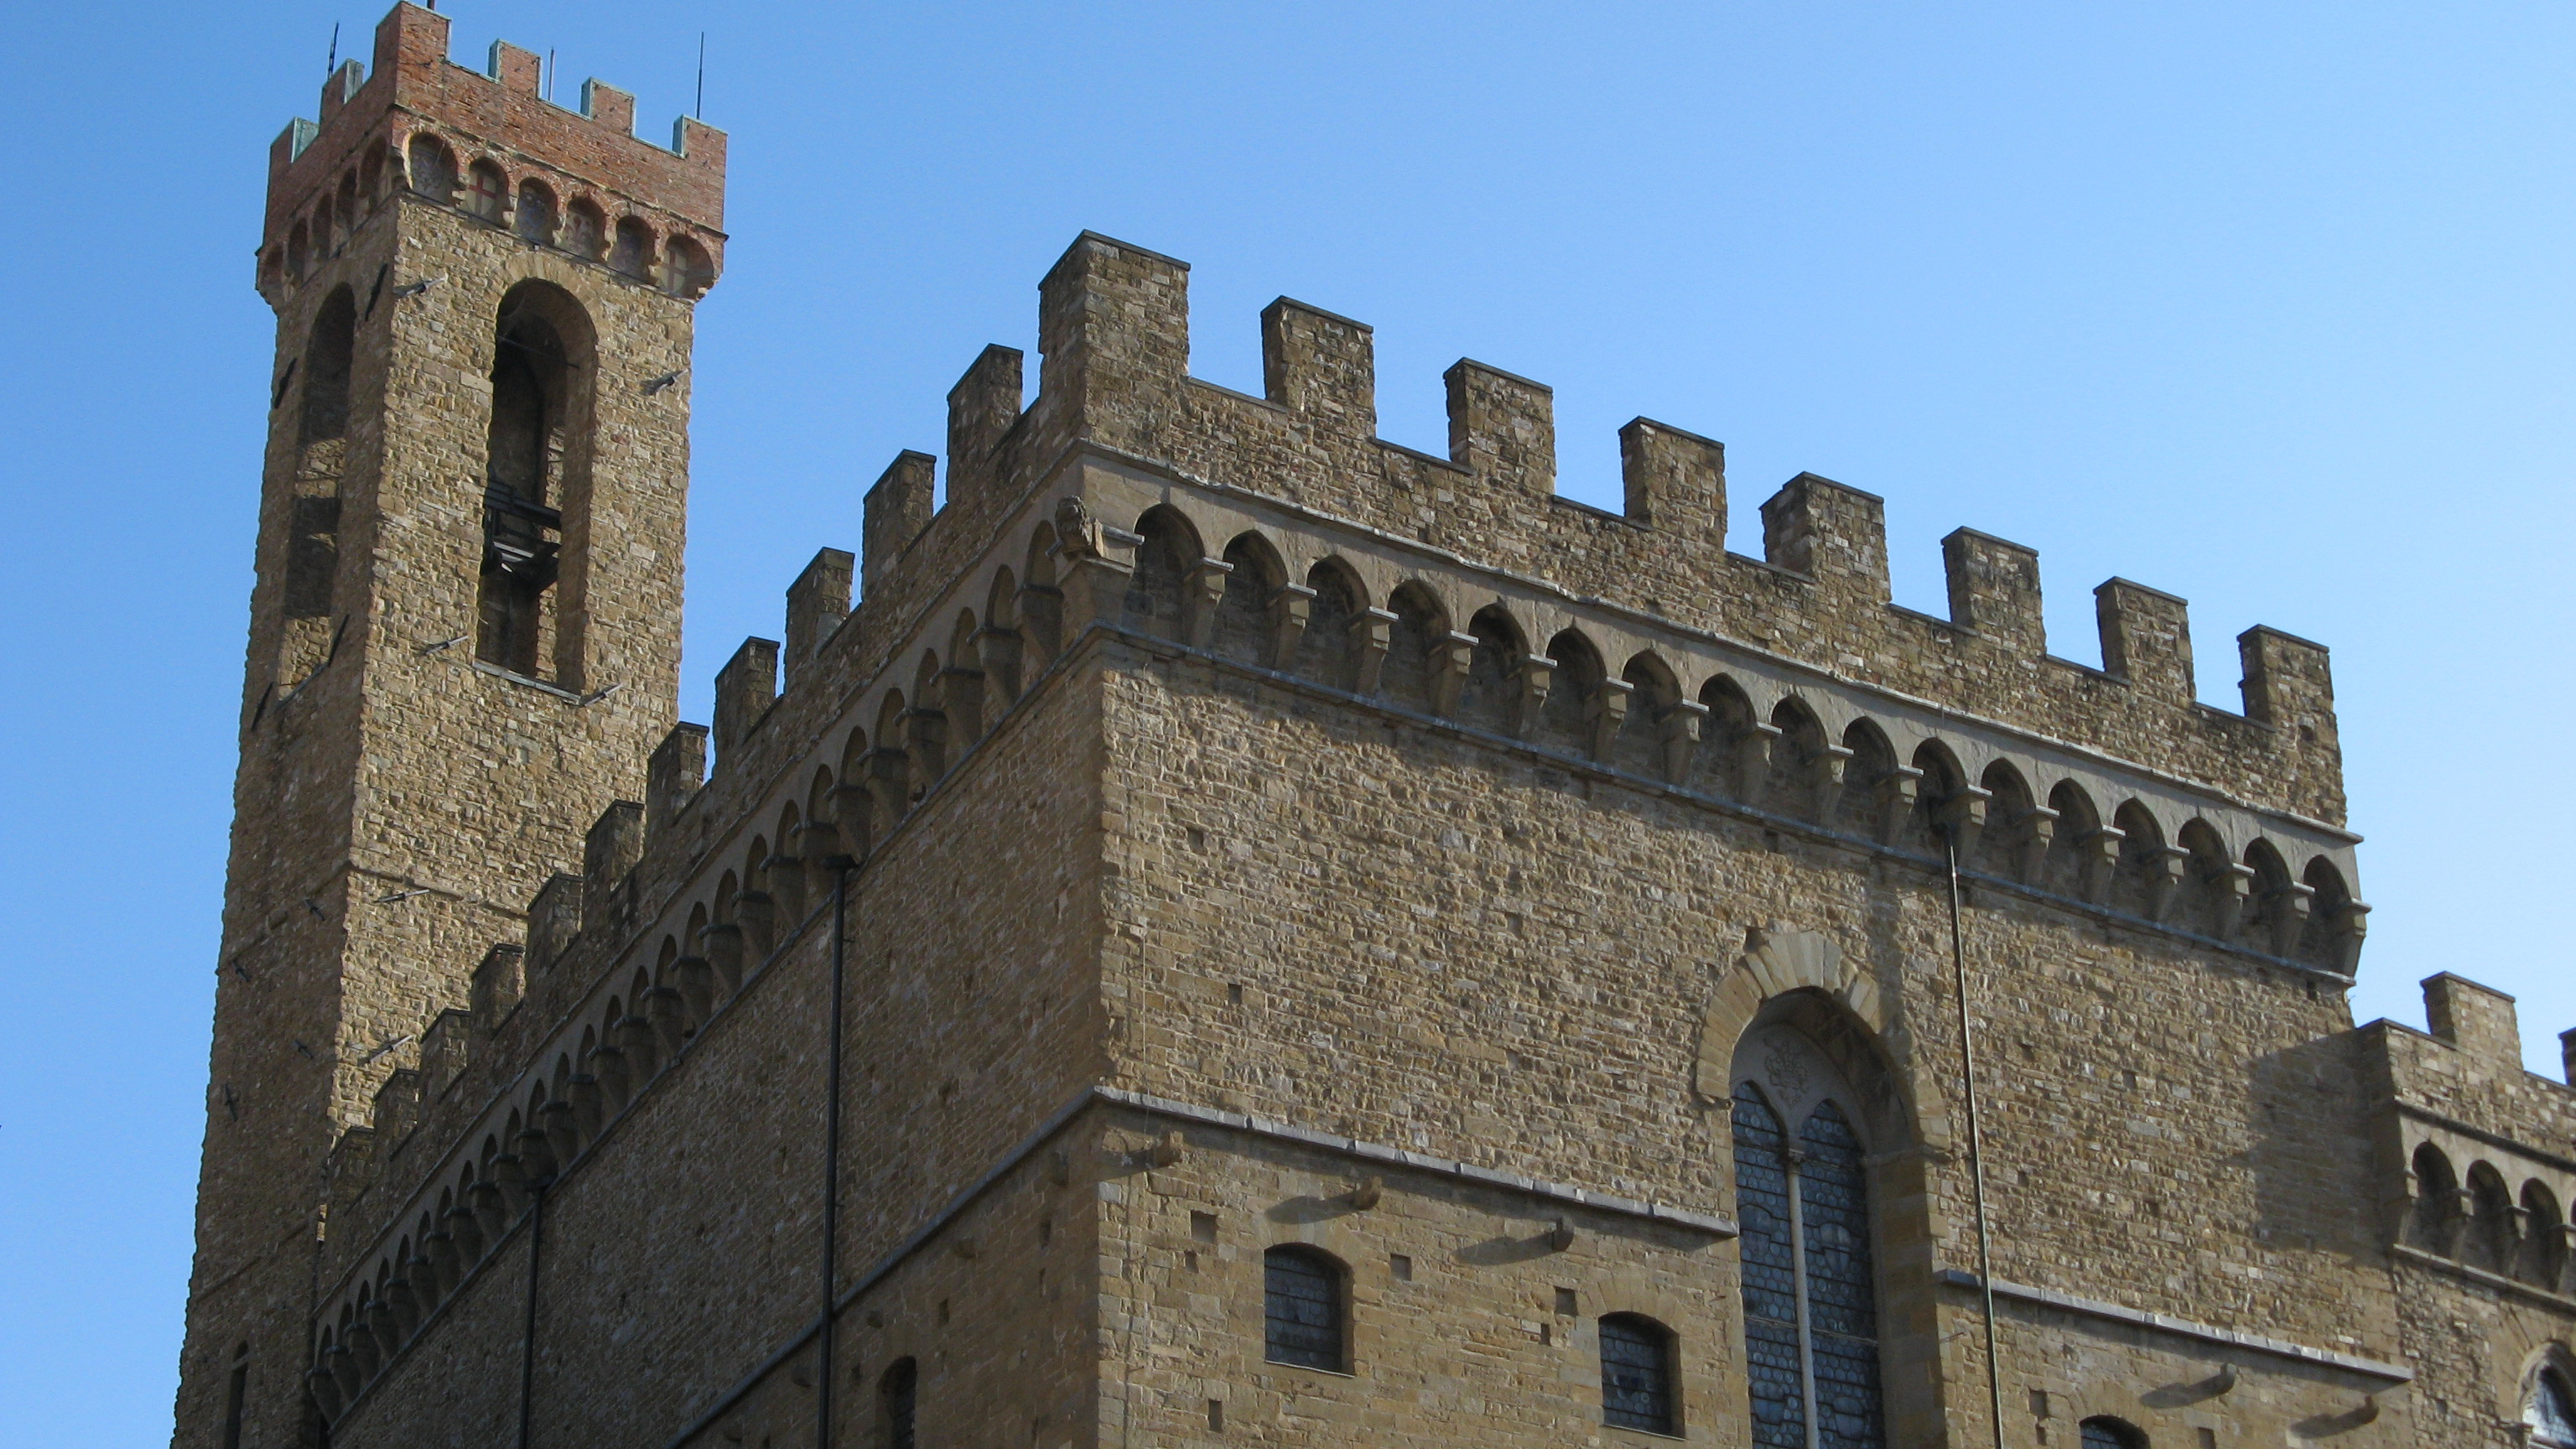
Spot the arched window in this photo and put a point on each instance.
(1302, 1309)
(1810, 1297)
(536, 449)
(691, 270)
(2108, 1433)
(433, 169)
(1637, 1374)
(583, 230)
(2551, 1412)
(895, 1393)
(313, 512)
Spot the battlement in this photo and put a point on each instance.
(492, 146)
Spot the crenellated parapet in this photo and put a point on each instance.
(2472, 1151)
(491, 146)
(1134, 519)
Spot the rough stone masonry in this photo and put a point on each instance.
(1234, 931)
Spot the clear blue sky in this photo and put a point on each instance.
(2265, 305)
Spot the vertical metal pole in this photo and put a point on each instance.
(1976, 1140)
(528, 1329)
(831, 1155)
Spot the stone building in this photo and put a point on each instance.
(1247, 933)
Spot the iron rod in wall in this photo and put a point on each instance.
(1976, 1137)
(831, 1151)
(528, 1329)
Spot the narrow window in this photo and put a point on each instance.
(1810, 1317)
(313, 504)
(2106, 1433)
(895, 1393)
(237, 1389)
(1636, 1373)
(2551, 1413)
(1302, 1309)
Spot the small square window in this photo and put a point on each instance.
(1400, 1266)
(1203, 1227)
(1566, 1306)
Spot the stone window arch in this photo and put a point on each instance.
(1810, 1281)
(1304, 1309)
(487, 191)
(2433, 1223)
(585, 230)
(1491, 697)
(2549, 1411)
(1638, 1381)
(2104, 1432)
(631, 254)
(690, 271)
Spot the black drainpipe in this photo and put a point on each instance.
(528, 1330)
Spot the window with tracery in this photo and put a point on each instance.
(1810, 1305)
(2551, 1414)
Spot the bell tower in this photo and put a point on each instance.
(465, 630)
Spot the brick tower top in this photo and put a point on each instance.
(489, 142)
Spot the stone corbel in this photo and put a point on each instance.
(697, 978)
(1290, 609)
(1095, 591)
(606, 1065)
(326, 1385)
(890, 775)
(1041, 611)
(2288, 910)
(854, 809)
(366, 1346)
(1896, 793)
(668, 1016)
(961, 693)
(2563, 1237)
(1202, 594)
(405, 1303)
(2230, 888)
(1680, 732)
(1535, 674)
(1371, 634)
(590, 1105)
(1453, 655)
(997, 651)
(635, 1034)
(439, 1247)
(1825, 775)
(2097, 859)
(2349, 924)
(757, 914)
(2034, 831)
(537, 1155)
(1753, 761)
(2459, 1205)
(1605, 716)
(723, 944)
(1962, 818)
(2166, 868)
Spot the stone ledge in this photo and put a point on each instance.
(2184, 1327)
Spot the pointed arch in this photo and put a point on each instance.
(537, 459)
(1417, 650)
(1734, 758)
(2076, 858)
(2544, 1238)
(2018, 829)
(1806, 774)
(1874, 795)
(2143, 884)
(1324, 649)
(1571, 719)
(1164, 561)
(1657, 737)
(1492, 695)
(1247, 626)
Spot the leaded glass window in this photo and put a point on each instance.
(1636, 1373)
(1302, 1306)
(1810, 1310)
(2552, 1413)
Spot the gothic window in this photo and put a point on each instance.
(1637, 1374)
(2106, 1433)
(1302, 1309)
(895, 1394)
(2551, 1414)
(1810, 1312)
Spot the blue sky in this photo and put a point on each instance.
(2265, 305)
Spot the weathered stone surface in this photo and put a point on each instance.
(1245, 834)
